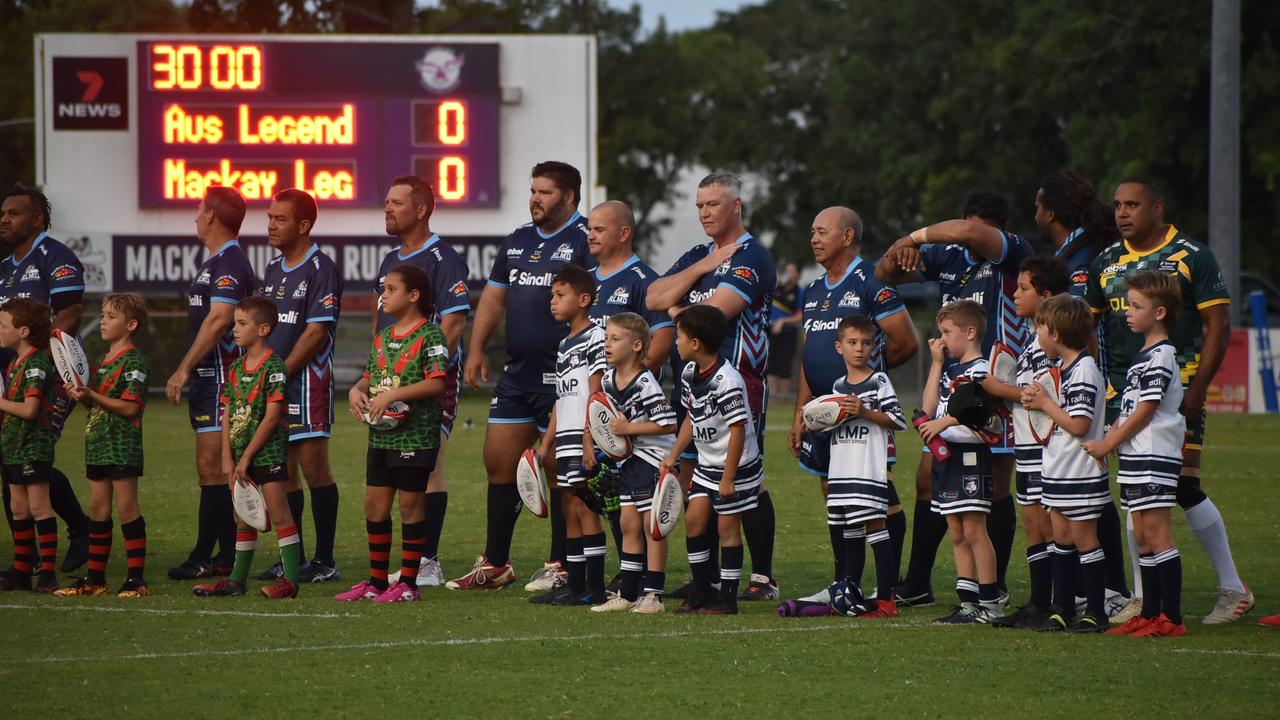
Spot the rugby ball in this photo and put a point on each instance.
(667, 501)
(69, 359)
(392, 417)
(1050, 382)
(531, 483)
(847, 599)
(1004, 364)
(250, 505)
(601, 413)
(824, 412)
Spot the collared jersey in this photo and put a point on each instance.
(860, 448)
(309, 292)
(624, 290)
(826, 304)
(1154, 454)
(224, 277)
(526, 262)
(641, 401)
(990, 283)
(27, 441)
(579, 357)
(750, 274)
(49, 268)
(401, 360)
(714, 404)
(975, 370)
(1027, 452)
(246, 394)
(447, 273)
(112, 439)
(1202, 285)
(1076, 475)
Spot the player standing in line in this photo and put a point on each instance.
(409, 205)
(977, 259)
(730, 469)
(113, 447)
(1073, 485)
(43, 269)
(254, 451)
(405, 377)
(1149, 435)
(26, 443)
(1200, 337)
(622, 281)
(224, 279)
(848, 287)
(647, 418)
(519, 290)
(306, 288)
(735, 274)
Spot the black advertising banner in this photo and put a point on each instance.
(90, 93)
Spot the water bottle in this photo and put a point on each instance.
(937, 447)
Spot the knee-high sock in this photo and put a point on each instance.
(1133, 555)
(1094, 569)
(632, 574)
(1065, 567)
(100, 532)
(1040, 568)
(837, 550)
(1113, 547)
(1169, 568)
(1206, 524)
(412, 537)
(436, 505)
(896, 524)
(24, 546)
(324, 514)
(226, 527)
(1152, 596)
(855, 554)
(8, 503)
(967, 590)
(298, 504)
(65, 504)
(614, 518)
(379, 532)
(556, 511)
(246, 545)
(594, 548)
(927, 532)
(730, 572)
(135, 547)
(575, 565)
(290, 542)
(503, 509)
(208, 522)
(47, 538)
(700, 566)
(886, 566)
(759, 526)
(1002, 525)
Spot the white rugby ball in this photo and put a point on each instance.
(1042, 426)
(667, 502)
(391, 419)
(531, 483)
(250, 506)
(69, 359)
(601, 412)
(824, 412)
(1004, 364)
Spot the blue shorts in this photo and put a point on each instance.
(309, 405)
(511, 405)
(962, 483)
(1028, 487)
(637, 481)
(203, 406)
(747, 485)
(570, 473)
(853, 515)
(1147, 496)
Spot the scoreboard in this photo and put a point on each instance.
(132, 129)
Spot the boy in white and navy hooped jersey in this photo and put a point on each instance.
(647, 418)
(961, 485)
(1039, 278)
(579, 367)
(726, 481)
(1073, 484)
(857, 480)
(1149, 435)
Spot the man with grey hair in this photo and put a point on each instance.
(735, 274)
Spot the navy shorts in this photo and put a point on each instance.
(1028, 488)
(637, 481)
(746, 489)
(511, 405)
(405, 470)
(112, 472)
(309, 405)
(1147, 496)
(853, 515)
(32, 473)
(267, 474)
(962, 483)
(570, 473)
(204, 408)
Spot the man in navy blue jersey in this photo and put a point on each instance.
(43, 269)
(222, 281)
(848, 287)
(1075, 222)
(408, 208)
(973, 258)
(519, 290)
(306, 287)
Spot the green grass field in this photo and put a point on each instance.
(493, 654)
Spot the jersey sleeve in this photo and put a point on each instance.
(887, 401)
(683, 262)
(1079, 394)
(33, 380)
(498, 274)
(731, 403)
(231, 284)
(1016, 250)
(274, 385)
(747, 276)
(1157, 376)
(1093, 287)
(657, 319)
(654, 403)
(324, 295)
(134, 379)
(450, 285)
(63, 270)
(882, 299)
(1207, 284)
(435, 355)
(595, 352)
(932, 259)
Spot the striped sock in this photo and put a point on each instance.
(1040, 568)
(967, 590)
(1169, 568)
(632, 573)
(886, 565)
(290, 542)
(135, 548)
(575, 565)
(47, 537)
(411, 545)
(1065, 565)
(1094, 569)
(379, 532)
(855, 553)
(594, 548)
(655, 582)
(246, 545)
(1152, 592)
(99, 550)
(699, 551)
(730, 572)
(24, 546)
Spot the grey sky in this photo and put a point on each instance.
(681, 14)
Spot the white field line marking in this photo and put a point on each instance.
(161, 611)
(1240, 653)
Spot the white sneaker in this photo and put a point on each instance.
(1114, 603)
(616, 603)
(822, 596)
(1231, 605)
(1132, 609)
(430, 574)
(549, 577)
(649, 604)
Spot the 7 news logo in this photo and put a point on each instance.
(90, 93)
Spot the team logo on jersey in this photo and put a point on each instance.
(564, 253)
(202, 278)
(301, 291)
(619, 297)
(31, 274)
(850, 300)
(536, 255)
(885, 295)
(440, 69)
(971, 485)
(459, 288)
(724, 268)
(947, 277)
(1080, 277)
(225, 281)
(329, 301)
(515, 252)
(62, 272)
(826, 303)
(745, 273)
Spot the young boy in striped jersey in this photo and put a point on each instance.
(857, 479)
(1149, 435)
(648, 419)
(1039, 278)
(1073, 484)
(730, 470)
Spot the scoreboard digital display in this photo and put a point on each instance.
(339, 120)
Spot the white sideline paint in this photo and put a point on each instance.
(160, 611)
(1240, 653)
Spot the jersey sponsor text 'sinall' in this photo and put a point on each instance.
(1154, 454)
(641, 401)
(112, 439)
(825, 304)
(399, 361)
(580, 356)
(715, 403)
(988, 282)
(225, 277)
(860, 448)
(1070, 477)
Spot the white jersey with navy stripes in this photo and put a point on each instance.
(975, 370)
(1027, 451)
(580, 356)
(715, 404)
(860, 448)
(641, 401)
(1154, 454)
(1071, 477)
